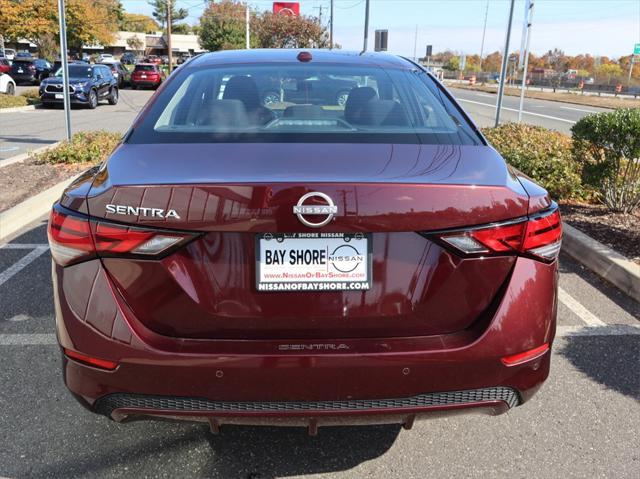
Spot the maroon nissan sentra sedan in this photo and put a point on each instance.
(306, 238)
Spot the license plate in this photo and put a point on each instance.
(313, 262)
(59, 96)
(20, 70)
(143, 76)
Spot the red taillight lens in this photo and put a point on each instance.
(91, 361)
(75, 238)
(69, 238)
(539, 236)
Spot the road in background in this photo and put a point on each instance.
(584, 422)
(555, 115)
(22, 131)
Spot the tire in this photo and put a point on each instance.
(11, 89)
(341, 97)
(93, 100)
(113, 97)
(134, 86)
(270, 97)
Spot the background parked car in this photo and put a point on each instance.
(5, 66)
(43, 68)
(128, 58)
(9, 54)
(24, 72)
(183, 58)
(7, 85)
(22, 55)
(155, 59)
(119, 71)
(88, 85)
(147, 75)
(105, 57)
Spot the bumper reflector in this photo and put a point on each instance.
(90, 361)
(525, 356)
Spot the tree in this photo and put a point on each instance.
(492, 62)
(222, 26)
(160, 12)
(181, 29)
(37, 20)
(135, 43)
(282, 31)
(137, 22)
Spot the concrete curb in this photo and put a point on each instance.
(24, 156)
(18, 108)
(602, 260)
(28, 211)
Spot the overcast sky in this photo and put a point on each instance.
(599, 27)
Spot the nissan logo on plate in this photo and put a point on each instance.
(328, 209)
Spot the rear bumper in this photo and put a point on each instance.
(77, 98)
(143, 83)
(224, 381)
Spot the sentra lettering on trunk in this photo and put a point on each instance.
(141, 211)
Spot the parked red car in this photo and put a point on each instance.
(147, 75)
(304, 263)
(5, 66)
(155, 59)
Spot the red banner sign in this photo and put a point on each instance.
(287, 8)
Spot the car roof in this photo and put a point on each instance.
(290, 55)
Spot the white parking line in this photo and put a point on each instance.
(523, 112)
(21, 264)
(583, 313)
(23, 246)
(579, 109)
(33, 339)
(611, 330)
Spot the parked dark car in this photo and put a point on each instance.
(43, 68)
(128, 58)
(24, 71)
(147, 75)
(5, 66)
(307, 264)
(88, 84)
(155, 59)
(119, 71)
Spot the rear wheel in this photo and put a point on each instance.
(341, 97)
(11, 89)
(113, 97)
(134, 86)
(93, 100)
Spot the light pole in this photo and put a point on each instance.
(331, 26)
(529, 13)
(65, 68)
(246, 27)
(170, 53)
(366, 27)
(503, 70)
(484, 32)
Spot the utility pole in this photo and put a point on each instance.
(505, 65)
(170, 55)
(65, 68)
(415, 45)
(529, 19)
(631, 62)
(319, 14)
(484, 33)
(366, 27)
(331, 26)
(247, 33)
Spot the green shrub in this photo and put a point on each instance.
(85, 147)
(544, 155)
(608, 144)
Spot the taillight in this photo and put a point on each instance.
(90, 360)
(74, 238)
(539, 236)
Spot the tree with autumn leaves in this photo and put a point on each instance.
(222, 27)
(88, 22)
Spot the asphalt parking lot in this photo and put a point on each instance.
(585, 422)
(22, 131)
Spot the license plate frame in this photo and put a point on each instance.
(348, 257)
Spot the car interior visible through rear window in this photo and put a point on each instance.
(293, 102)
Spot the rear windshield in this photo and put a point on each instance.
(22, 63)
(145, 68)
(303, 103)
